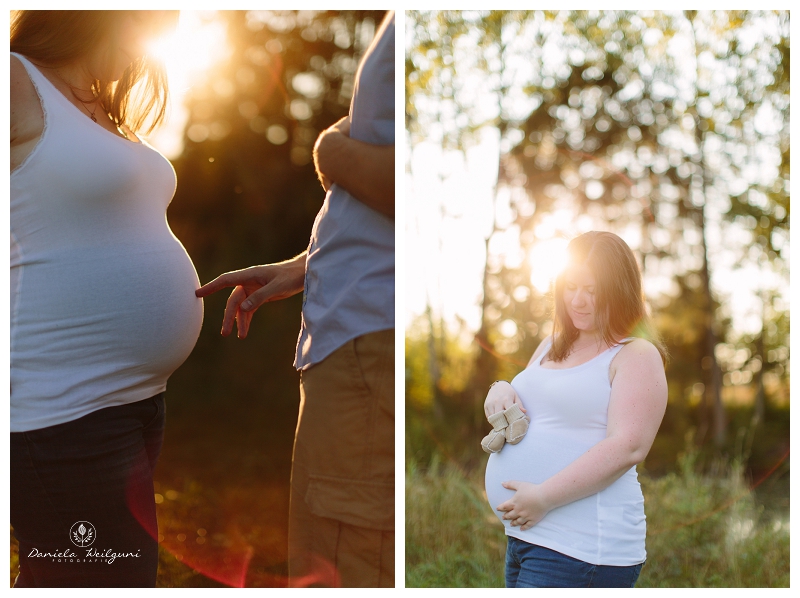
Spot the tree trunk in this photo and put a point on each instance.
(433, 353)
(758, 407)
(713, 382)
(485, 362)
(713, 387)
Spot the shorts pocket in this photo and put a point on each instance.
(354, 502)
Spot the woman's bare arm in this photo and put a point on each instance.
(635, 410)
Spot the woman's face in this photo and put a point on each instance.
(579, 294)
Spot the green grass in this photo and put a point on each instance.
(703, 530)
(452, 537)
(708, 531)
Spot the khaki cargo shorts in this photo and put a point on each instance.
(341, 514)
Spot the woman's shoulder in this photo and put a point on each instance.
(27, 116)
(546, 342)
(638, 357)
(19, 74)
(637, 350)
(22, 89)
(19, 68)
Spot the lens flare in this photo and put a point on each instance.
(195, 46)
(547, 258)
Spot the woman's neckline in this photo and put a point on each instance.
(540, 362)
(79, 111)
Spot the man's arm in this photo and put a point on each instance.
(364, 170)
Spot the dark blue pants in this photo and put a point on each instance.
(82, 502)
(532, 566)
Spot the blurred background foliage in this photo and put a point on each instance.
(247, 194)
(671, 127)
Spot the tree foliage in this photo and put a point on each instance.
(668, 128)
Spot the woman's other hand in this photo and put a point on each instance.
(527, 507)
(255, 286)
(500, 397)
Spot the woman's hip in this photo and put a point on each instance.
(532, 566)
(96, 471)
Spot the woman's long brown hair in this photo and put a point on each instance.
(620, 309)
(57, 37)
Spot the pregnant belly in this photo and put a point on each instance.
(132, 306)
(497, 472)
(539, 456)
(603, 528)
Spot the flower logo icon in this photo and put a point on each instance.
(82, 533)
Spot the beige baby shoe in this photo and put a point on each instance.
(517, 424)
(495, 440)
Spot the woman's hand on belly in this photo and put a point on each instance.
(527, 507)
(500, 397)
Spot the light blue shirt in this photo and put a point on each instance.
(349, 281)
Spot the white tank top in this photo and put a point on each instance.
(569, 415)
(102, 293)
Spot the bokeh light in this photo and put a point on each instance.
(195, 46)
(548, 258)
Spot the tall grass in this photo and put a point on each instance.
(708, 531)
(704, 530)
(452, 537)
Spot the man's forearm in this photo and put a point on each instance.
(364, 170)
(299, 261)
(296, 269)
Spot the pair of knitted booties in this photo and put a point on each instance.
(509, 426)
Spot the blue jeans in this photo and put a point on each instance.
(82, 503)
(532, 566)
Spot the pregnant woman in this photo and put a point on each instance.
(102, 296)
(595, 393)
